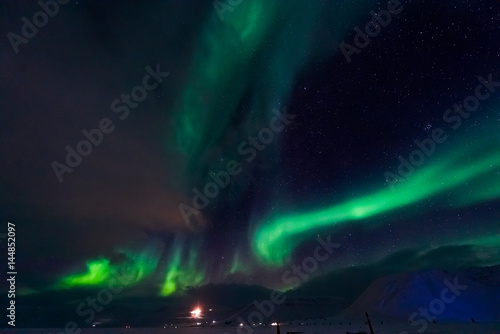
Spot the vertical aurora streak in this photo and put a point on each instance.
(183, 270)
(256, 50)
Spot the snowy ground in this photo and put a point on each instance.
(493, 328)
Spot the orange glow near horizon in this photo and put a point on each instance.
(196, 313)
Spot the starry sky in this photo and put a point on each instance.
(390, 150)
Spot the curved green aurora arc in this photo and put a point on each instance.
(472, 159)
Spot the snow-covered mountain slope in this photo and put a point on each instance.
(456, 296)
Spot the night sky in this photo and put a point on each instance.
(390, 150)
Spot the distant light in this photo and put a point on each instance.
(274, 324)
(210, 310)
(196, 313)
(213, 321)
(241, 325)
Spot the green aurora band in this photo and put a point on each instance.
(101, 271)
(219, 61)
(477, 158)
(183, 270)
(98, 272)
(254, 49)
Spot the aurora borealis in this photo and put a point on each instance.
(274, 241)
(323, 174)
